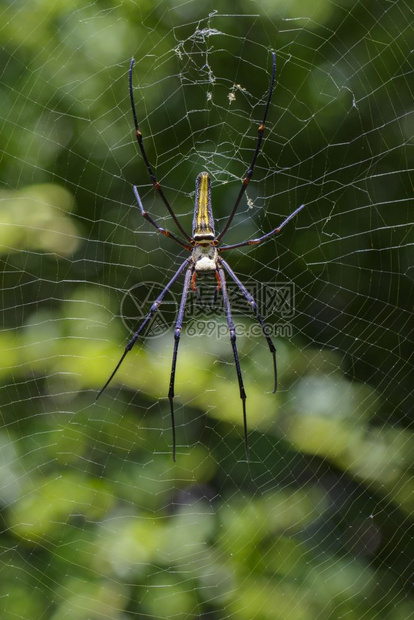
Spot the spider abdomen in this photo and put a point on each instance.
(203, 222)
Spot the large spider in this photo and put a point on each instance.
(204, 247)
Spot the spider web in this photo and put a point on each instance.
(98, 522)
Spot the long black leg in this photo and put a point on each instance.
(275, 231)
(177, 335)
(232, 331)
(253, 304)
(163, 231)
(145, 322)
(154, 181)
(250, 169)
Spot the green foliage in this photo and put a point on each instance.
(98, 522)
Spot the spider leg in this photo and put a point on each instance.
(253, 304)
(250, 169)
(163, 231)
(216, 290)
(232, 331)
(177, 335)
(154, 181)
(145, 322)
(275, 231)
(196, 289)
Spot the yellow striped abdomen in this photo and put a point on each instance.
(203, 222)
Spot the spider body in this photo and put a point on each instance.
(205, 258)
(204, 253)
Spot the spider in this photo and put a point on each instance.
(205, 258)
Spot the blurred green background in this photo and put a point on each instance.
(97, 521)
